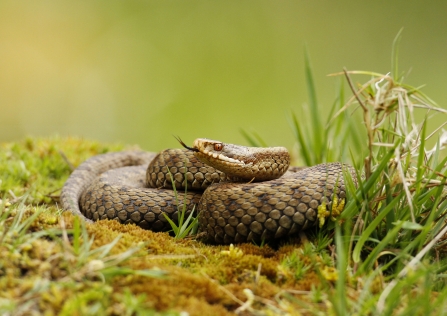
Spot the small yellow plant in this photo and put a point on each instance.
(337, 208)
(233, 252)
(330, 273)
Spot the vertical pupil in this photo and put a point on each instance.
(218, 147)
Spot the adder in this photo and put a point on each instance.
(240, 193)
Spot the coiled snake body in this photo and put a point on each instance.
(252, 198)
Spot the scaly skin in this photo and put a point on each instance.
(229, 212)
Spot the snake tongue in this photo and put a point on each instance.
(184, 145)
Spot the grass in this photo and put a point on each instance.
(56, 262)
(53, 264)
(186, 227)
(390, 239)
(384, 255)
(400, 208)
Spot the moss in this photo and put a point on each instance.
(38, 167)
(200, 279)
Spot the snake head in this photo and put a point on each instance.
(245, 163)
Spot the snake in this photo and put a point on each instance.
(239, 193)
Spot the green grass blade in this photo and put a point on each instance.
(187, 227)
(395, 55)
(421, 156)
(76, 235)
(351, 207)
(174, 227)
(255, 140)
(304, 149)
(251, 141)
(371, 227)
(313, 105)
(340, 302)
(105, 250)
(372, 257)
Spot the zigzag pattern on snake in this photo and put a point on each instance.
(233, 207)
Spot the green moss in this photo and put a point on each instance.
(38, 167)
(201, 279)
(51, 265)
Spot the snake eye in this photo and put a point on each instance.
(218, 147)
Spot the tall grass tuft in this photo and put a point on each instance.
(186, 227)
(391, 239)
(325, 141)
(399, 211)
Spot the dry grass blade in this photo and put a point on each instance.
(400, 205)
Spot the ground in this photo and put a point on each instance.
(52, 263)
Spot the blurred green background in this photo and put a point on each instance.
(138, 72)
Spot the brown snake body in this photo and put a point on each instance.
(127, 186)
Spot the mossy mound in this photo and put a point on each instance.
(52, 264)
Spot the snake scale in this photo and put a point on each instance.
(240, 193)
